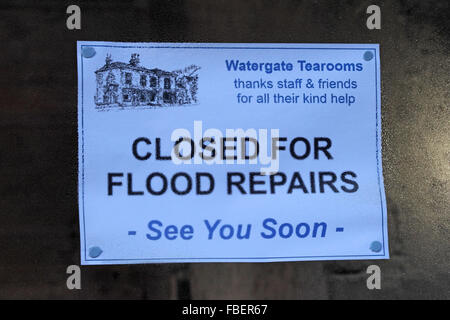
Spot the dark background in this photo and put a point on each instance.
(39, 233)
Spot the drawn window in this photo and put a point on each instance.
(128, 78)
(153, 82)
(126, 97)
(166, 83)
(143, 80)
(166, 97)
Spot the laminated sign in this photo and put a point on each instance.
(202, 152)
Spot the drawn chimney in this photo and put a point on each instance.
(108, 60)
(134, 61)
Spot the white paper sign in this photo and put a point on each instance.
(195, 152)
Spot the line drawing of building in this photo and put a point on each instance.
(130, 84)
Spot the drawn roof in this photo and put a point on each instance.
(122, 65)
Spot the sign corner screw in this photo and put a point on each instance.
(368, 55)
(88, 52)
(95, 252)
(376, 246)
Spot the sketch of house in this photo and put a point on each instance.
(129, 84)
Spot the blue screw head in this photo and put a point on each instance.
(94, 252)
(376, 246)
(368, 55)
(88, 52)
